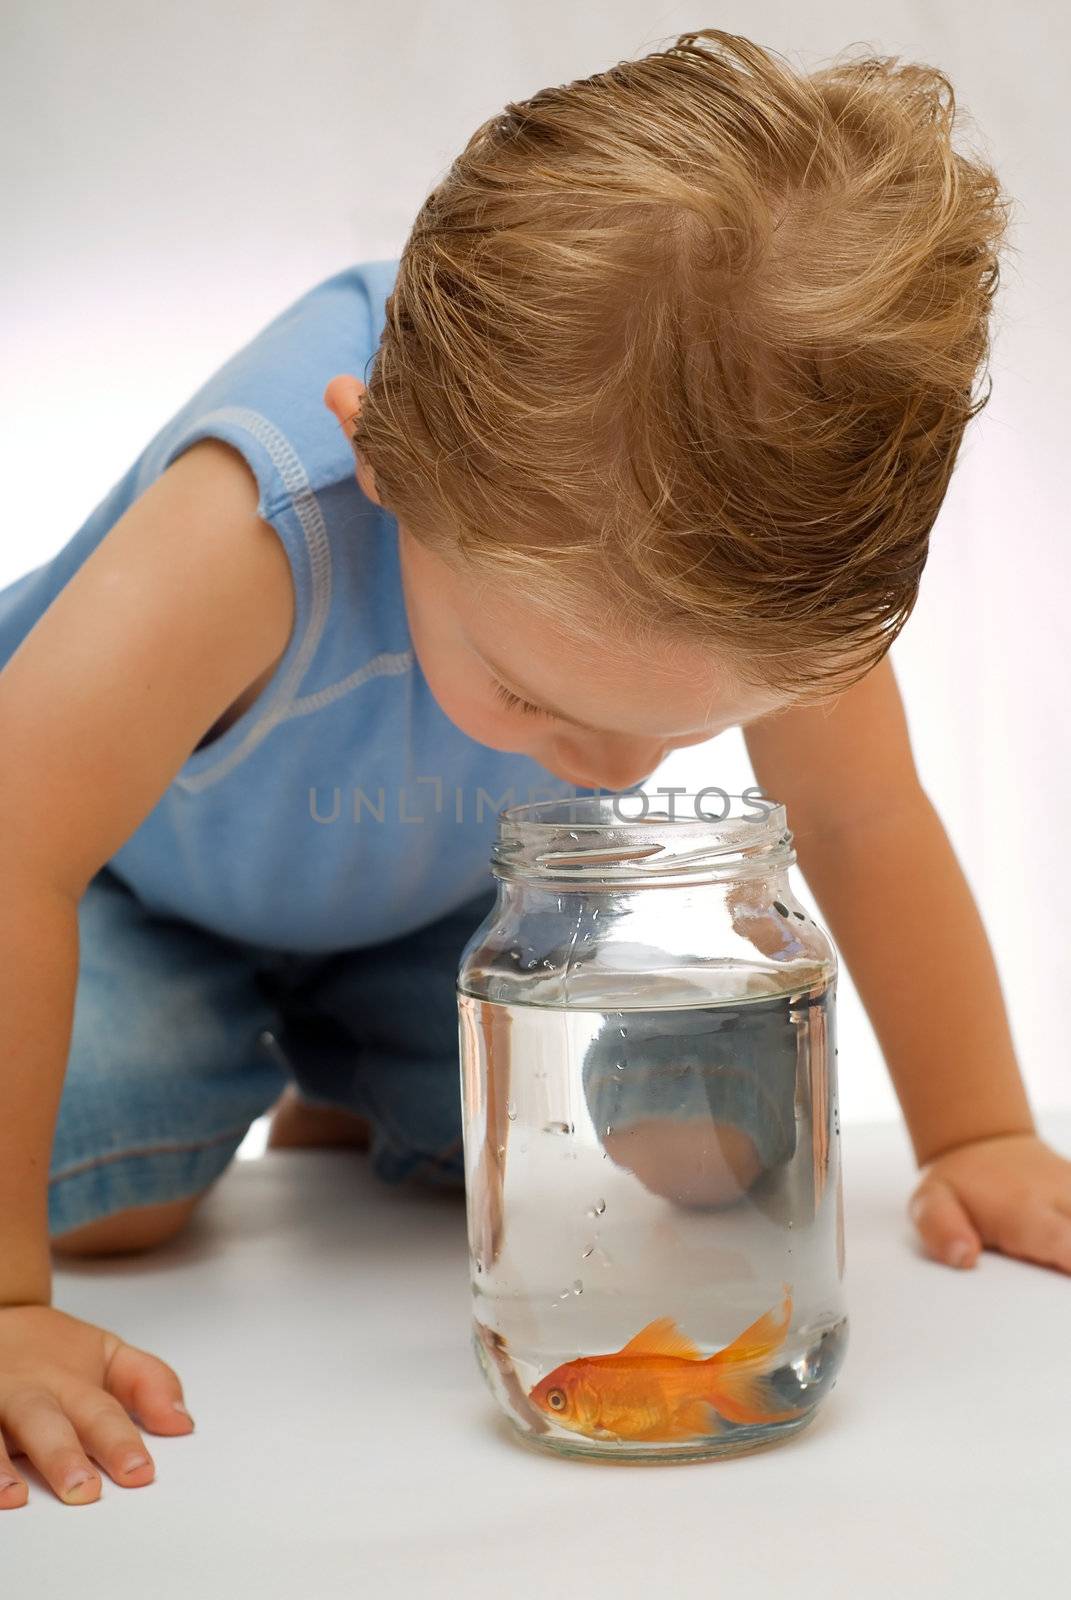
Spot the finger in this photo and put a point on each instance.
(946, 1230)
(35, 1423)
(147, 1387)
(1038, 1234)
(13, 1489)
(110, 1437)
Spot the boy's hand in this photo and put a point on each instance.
(1011, 1193)
(66, 1387)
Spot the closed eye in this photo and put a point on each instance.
(515, 703)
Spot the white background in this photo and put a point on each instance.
(174, 175)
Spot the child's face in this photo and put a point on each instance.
(608, 715)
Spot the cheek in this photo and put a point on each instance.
(465, 706)
(481, 718)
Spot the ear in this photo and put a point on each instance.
(344, 396)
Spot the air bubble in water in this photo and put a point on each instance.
(590, 1251)
(511, 1111)
(578, 1286)
(622, 1032)
(598, 1208)
(557, 1127)
(609, 1127)
(548, 963)
(564, 1295)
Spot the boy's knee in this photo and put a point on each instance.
(139, 1228)
(693, 1163)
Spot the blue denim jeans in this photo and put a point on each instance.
(181, 1039)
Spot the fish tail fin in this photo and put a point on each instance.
(739, 1386)
(741, 1396)
(760, 1339)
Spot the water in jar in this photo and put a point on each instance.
(675, 1165)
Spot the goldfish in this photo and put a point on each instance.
(659, 1387)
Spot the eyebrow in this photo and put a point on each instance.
(534, 700)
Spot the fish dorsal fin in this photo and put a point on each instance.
(661, 1338)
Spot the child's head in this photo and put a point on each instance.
(673, 379)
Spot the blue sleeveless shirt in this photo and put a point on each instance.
(343, 808)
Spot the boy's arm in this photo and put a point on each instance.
(893, 895)
(181, 606)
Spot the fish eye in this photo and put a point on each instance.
(556, 1399)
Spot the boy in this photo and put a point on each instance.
(665, 395)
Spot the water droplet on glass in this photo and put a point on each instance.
(564, 1295)
(479, 1264)
(515, 955)
(578, 1287)
(598, 1208)
(609, 1127)
(594, 914)
(548, 963)
(511, 1111)
(557, 1127)
(622, 1032)
(590, 1251)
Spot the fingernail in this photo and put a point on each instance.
(178, 1406)
(76, 1480)
(8, 1483)
(958, 1253)
(134, 1464)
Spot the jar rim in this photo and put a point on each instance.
(582, 836)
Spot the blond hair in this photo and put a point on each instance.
(694, 342)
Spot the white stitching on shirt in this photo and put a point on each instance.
(386, 663)
(309, 515)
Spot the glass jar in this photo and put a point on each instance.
(653, 1192)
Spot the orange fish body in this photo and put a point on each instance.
(659, 1387)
